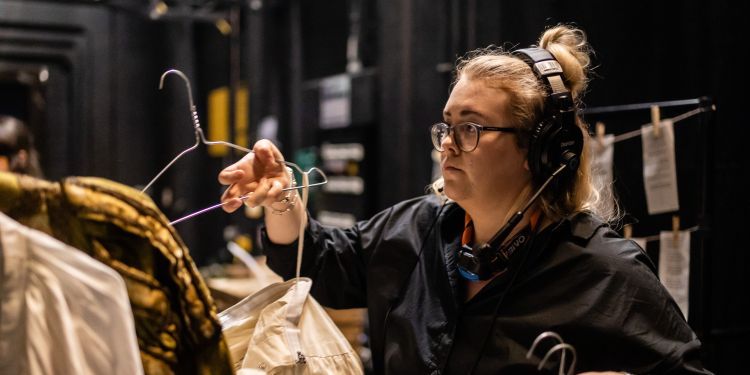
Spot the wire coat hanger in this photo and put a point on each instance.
(201, 138)
(244, 197)
(561, 345)
(542, 336)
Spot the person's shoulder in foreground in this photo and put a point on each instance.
(620, 306)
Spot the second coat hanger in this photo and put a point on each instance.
(201, 138)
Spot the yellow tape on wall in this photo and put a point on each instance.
(218, 119)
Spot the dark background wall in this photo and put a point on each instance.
(97, 110)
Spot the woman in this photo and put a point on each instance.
(437, 302)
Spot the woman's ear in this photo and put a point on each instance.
(526, 165)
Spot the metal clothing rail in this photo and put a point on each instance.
(704, 105)
(676, 119)
(657, 237)
(702, 102)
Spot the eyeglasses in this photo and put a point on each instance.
(466, 135)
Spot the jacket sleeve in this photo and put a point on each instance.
(343, 261)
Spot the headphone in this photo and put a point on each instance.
(556, 139)
(555, 146)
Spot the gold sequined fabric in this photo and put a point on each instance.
(175, 317)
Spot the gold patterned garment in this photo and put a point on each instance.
(175, 317)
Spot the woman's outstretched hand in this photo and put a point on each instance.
(261, 174)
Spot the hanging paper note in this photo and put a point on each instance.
(659, 171)
(602, 149)
(674, 265)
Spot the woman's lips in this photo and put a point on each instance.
(450, 169)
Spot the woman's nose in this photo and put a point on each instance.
(449, 144)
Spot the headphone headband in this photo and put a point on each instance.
(549, 71)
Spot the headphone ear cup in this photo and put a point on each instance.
(550, 142)
(538, 151)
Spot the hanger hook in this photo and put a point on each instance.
(563, 347)
(193, 110)
(542, 336)
(196, 124)
(302, 172)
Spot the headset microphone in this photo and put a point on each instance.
(482, 261)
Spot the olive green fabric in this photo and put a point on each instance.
(175, 317)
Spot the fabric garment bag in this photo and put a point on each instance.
(61, 311)
(283, 330)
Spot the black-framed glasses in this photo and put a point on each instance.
(466, 135)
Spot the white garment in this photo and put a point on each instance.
(283, 330)
(62, 311)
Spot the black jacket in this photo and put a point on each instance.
(578, 278)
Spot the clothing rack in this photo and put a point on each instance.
(703, 101)
(620, 119)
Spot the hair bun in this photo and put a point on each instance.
(570, 47)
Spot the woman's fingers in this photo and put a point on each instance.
(239, 171)
(236, 191)
(265, 192)
(267, 151)
(231, 204)
(268, 159)
(275, 193)
(260, 193)
(231, 176)
(261, 175)
(230, 199)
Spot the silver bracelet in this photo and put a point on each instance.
(290, 198)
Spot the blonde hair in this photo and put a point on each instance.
(501, 70)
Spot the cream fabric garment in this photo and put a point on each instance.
(283, 330)
(62, 311)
